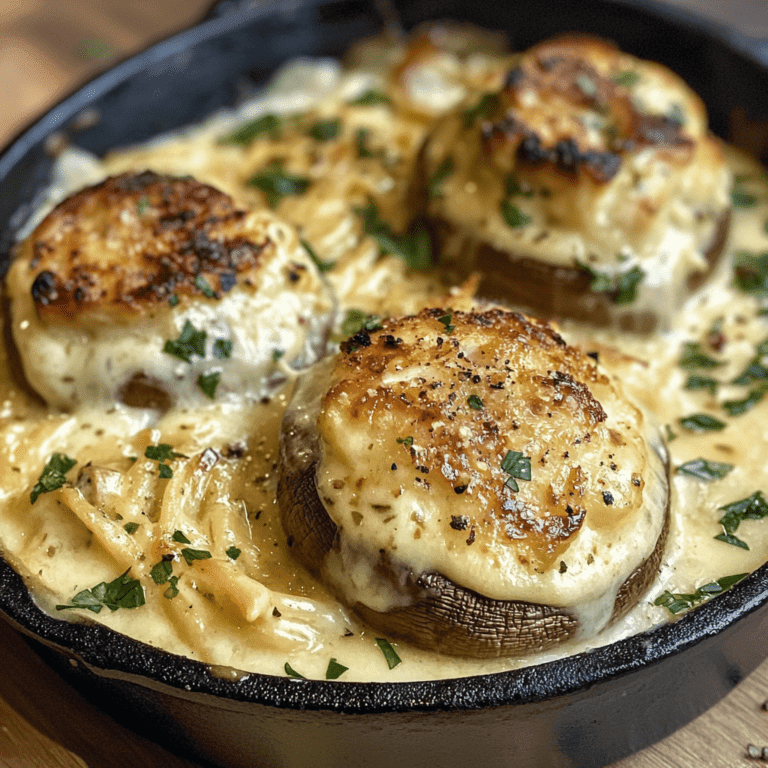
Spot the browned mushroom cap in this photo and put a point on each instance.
(587, 187)
(137, 287)
(472, 484)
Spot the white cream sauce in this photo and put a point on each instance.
(263, 610)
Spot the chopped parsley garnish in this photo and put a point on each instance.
(208, 383)
(204, 287)
(277, 354)
(518, 467)
(414, 248)
(669, 434)
(190, 342)
(754, 507)
(742, 199)
(694, 381)
(123, 592)
(512, 215)
(162, 452)
(701, 422)
(276, 183)
(750, 272)
(483, 108)
(335, 670)
(179, 537)
(322, 266)
(388, 651)
(446, 321)
(370, 98)
(475, 403)
(443, 171)
(356, 320)
(408, 441)
(362, 137)
(247, 132)
(737, 407)
(627, 78)
(233, 552)
(291, 672)
(695, 357)
(165, 471)
(173, 300)
(131, 527)
(161, 572)
(512, 187)
(190, 555)
(620, 287)
(324, 130)
(142, 204)
(705, 470)
(676, 602)
(222, 348)
(173, 588)
(53, 475)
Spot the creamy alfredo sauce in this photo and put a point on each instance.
(268, 611)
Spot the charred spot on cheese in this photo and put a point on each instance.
(572, 171)
(462, 560)
(156, 291)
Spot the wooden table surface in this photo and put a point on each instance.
(46, 48)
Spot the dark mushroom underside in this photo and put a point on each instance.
(444, 617)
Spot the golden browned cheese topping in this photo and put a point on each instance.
(521, 436)
(136, 240)
(567, 104)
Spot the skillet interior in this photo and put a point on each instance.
(586, 710)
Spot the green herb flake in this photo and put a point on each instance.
(750, 272)
(414, 248)
(407, 441)
(165, 471)
(475, 403)
(204, 287)
(738, 407)
(130, 528)
(222, 349)
(142, 205)
(694, 382)
(443, 171)
(513, 216)
(180, 538)
(371, 98)
(324, 130)
(173, 589)
(742, 199)
(291, 672)
(161, 572)
(208, 383)
(512, 187)
(190, 342)
(669, 434)
(53, 475)
(173, 300)
(446, 321)
(627, 78)
(233, 552)
(483, 108)
(753, 507)
(676, 115)
(518, 467)
(335, 670)
(734, 541)
(247, 132)
(694, 357)
(704, 469)
(390, 655)
(322, 266)
(362, 137)
(277, 354)
(190, 555)
(701, 422)
(162, 452)
(676, 602)
(276, 183)
(620, 287)
(123, 592)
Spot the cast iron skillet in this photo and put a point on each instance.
(587, 710)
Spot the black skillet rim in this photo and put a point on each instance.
(104, 651)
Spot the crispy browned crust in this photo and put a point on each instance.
(134, 240)
(444, 617)
(553, 291)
